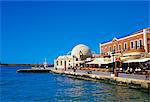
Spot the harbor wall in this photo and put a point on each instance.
(131, 83)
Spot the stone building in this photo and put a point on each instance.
(77, 57)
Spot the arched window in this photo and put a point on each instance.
(131, 44)
(119, 47)
(140, 43)
(61, 63)
(114, 48)
(125, 46)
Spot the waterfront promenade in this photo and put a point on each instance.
(122, 75)
(129, 80)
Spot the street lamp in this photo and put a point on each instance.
(113, 52)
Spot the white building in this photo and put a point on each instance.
(78, 56)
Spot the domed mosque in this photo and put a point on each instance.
(77, 57)
(81, 51)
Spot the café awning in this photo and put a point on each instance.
(77, 62)
(137, 60)
(99, 62)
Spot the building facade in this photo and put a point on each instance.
(136, 44)
(78, 56)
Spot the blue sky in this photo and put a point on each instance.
(31, 31)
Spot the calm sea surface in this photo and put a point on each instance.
(50, 87)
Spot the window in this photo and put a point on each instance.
(136, 44)
(80, 56)
(125, 45)
(106, 49)
(61, 63)
(131, 45)
(119, 47)
(102, 52)
(140, 43)
(110, 48)
(114, 48)
(76, 59)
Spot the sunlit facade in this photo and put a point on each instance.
(76, 59)
(135, 45)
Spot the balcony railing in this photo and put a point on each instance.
(128, 50)
(135, 49)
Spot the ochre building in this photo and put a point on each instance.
(136, 44)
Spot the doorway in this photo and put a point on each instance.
(65, 65)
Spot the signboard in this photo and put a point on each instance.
(117, 59)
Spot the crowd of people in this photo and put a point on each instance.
(131, 70)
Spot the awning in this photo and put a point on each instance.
(105, 62)
(76, 62)
(100, 62)
(93, 62)
(124, 58)
(133, 53)
(137, 60)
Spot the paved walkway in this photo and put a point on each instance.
(123, 75)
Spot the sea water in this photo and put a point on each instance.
(50, 87)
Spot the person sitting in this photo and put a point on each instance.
(120, 70)
(147, 75)
(131, 70)
(89, 72)
(136, 69)
(74, 70)
(106, 67)
(127, 71)
(139, 69)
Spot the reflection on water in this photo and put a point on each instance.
(73, 90)
(50, 87)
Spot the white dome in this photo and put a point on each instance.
(81, 50)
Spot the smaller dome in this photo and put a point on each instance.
(81, 50)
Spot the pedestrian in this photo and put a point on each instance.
(131, 70)
(146, 75)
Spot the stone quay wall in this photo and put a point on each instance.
(128, 82)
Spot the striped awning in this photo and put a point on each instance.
(137, 60)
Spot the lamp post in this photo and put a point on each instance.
(113, 52)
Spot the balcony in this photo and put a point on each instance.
(135, 49)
